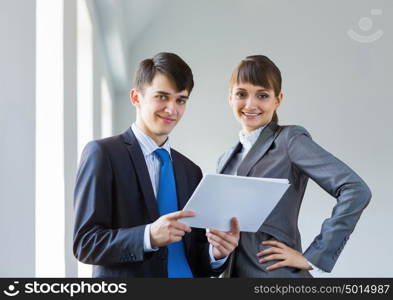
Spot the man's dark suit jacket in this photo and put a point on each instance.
(114, 200)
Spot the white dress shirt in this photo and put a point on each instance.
(148, 146)
(248, 140)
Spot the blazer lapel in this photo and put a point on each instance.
(138, 159)
(259, 149)
(227, 157)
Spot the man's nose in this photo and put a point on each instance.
(170, 107)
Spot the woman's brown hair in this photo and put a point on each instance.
(258, 70)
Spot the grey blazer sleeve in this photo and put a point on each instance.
(336, 178)
(95, 242)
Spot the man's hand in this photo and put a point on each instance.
(224, 242)
(167, 229)
(287, 256)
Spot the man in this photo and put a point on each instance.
(130, 189)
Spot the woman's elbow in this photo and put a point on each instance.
(366, 194)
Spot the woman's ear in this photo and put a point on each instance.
(230, 98)
(280, 97)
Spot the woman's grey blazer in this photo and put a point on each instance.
(289, 152)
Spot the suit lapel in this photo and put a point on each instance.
(181, 188)
(145, 183)
(259, 149)
(227, 157)
(181, 180)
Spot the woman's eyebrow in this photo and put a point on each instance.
(260, 90)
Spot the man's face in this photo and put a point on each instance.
(159, 107)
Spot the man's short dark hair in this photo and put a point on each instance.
(169, 64)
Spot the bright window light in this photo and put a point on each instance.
(85, 91)
(106, 109)
(50, 242)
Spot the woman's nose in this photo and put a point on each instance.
(250, 103)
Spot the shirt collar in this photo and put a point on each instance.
(248, 139)
(148, 145)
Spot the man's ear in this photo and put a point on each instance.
(134, 97)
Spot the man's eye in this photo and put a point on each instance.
(162, 97)
(181, 101)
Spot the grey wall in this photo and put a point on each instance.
(336, 87)
(17, 138)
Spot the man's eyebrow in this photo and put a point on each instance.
(168, 94)
(163, 92)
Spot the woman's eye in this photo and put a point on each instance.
(263, 96)
(240, 94)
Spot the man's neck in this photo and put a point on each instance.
(158, 139)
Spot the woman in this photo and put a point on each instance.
(269, 150)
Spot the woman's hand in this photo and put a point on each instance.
(288, 257)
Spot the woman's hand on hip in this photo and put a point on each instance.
(287, 256)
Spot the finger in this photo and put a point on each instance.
(272, 250)
(175, 238)
(181, 226)
(274, 243)
(225, 235)
(271, 257)
(176, 232)
(220, 241)
(235, 226)
(219, 248)
(276, 266)
(180, 214)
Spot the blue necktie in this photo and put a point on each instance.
(167, 202)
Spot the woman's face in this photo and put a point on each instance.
(252, 105)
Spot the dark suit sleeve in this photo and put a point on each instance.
(336, 178)
(95, 242)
